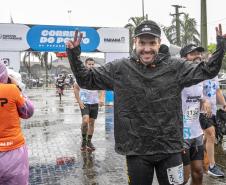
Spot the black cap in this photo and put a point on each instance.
(164, 49)
(190, 48)
(148, 27)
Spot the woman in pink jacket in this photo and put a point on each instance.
(14, 167)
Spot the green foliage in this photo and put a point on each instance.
(188, 31)
(211, 49)
(131, 25)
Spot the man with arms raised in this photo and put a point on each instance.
(147, 101)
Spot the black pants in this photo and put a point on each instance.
(169, 169)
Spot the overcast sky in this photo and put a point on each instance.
(107, 13)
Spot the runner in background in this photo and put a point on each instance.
(214, 95)
(60, 83)
(89, 101)
(193, 104)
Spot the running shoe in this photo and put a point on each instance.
(83, 145)
(90, 146)
(215, 171)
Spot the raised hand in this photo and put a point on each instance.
(219, 31)
(76, 42)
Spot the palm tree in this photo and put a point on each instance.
(47, 59)
(189, 33)
(170, 31)
(27, 62)
(132, 23)
(43, 58)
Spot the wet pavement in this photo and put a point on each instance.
(53, 138)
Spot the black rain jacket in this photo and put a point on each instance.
(147, 100)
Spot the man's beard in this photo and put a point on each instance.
(153, 53)
(197, 60)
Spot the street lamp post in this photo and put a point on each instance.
(143, 8)
(177, 14)
(204, 39)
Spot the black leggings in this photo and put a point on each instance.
(169, 169)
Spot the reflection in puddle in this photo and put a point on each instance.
(46, 135)
(65, 160)
(60, 108)
(90, 174)
(40, 173)
(220, 154)
(41, 123)
(88, 158)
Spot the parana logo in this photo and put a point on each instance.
(120, 40)
(9, 37)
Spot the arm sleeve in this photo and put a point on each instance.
(191, 73)
(25, 107)
(100, 78)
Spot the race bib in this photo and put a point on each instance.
(176, 175)
(192, 113)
